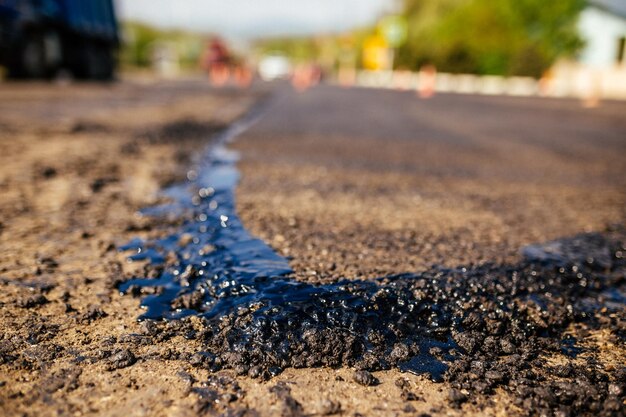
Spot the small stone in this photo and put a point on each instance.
(255, 372)
(494, 376)
(365, 378)
(615, 389)
(402, 383)
(456, 397)
(121, 359)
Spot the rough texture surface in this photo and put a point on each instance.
(350, 184)
(369, 183)
(364, 184)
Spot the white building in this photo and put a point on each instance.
(600, 68)
(603, 26)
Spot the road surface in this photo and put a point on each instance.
(378, 182)
(344, 183)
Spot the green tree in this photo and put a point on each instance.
(136, 45)
(139, 40)
(298, 49)
(507, 37)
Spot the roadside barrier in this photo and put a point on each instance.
(581, 84)
(444, 82)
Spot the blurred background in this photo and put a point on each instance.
(517, 47)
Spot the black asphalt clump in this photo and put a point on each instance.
(122, 358)
(486, 326)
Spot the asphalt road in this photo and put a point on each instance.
(346, 184)
(365, 183)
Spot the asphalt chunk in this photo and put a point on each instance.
(120, 359)
(365, 378)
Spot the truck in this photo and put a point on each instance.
(39, 38)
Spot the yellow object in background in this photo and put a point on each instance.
(376, 53)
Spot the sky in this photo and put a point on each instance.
(254, 18)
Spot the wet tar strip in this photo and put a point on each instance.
(479, 327)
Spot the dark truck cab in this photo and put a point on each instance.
(40, 37)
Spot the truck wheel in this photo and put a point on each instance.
(29, 58)
(34, 57)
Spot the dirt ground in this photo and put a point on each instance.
(78, 162)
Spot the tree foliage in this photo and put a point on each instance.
(298, 49)
(139, 39)
(507, 37)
